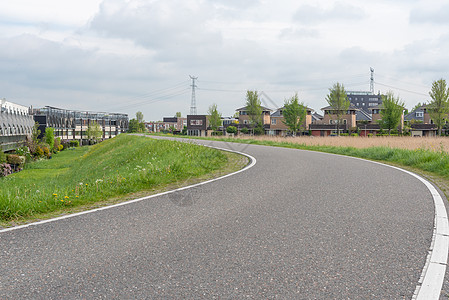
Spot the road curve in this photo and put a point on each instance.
(298, 224)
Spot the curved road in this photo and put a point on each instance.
(298, 224)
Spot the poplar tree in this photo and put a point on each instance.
(294, 114)
(438, 108)
(339, 102)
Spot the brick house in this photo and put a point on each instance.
(328, 126)
(277, 126)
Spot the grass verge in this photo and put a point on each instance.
(123, 168)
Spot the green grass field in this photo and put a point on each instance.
(113, 168)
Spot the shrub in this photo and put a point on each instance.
(370, 134)
(217, 133)
(39, 152)
(258, 131)
(74, 143)
(49, 137)
(244, 130)
(231, 129)
(46, 151)
(344, 134)
(57, 143)
(354, 134)
(14, 159)
(5, 169)
(2, 157)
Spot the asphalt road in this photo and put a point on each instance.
(297, 225)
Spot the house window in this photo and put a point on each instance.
(196, 122)
(245, 121)
(419, 114)
(273, 121)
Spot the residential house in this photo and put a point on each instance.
(364, 100)
(197, 125)
(277, 126)
(420, 122)
(328, 125)
(244, 120)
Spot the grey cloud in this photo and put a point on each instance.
(308, 14)
(433, 15)
(157, 25)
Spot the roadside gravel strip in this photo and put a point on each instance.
(296, 225)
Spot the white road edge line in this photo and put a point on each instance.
(431, 281)
(250, 165)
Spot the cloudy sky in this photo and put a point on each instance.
(138, 55)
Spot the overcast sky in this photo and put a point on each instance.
(128, 56)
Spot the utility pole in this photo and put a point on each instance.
(193, 103)
(371, 84)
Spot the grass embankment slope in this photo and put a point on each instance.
(428, 157)
(119, 169)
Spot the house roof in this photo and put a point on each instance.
(412, 115)
(317, 116)
(351, 107)
(361, 115)
(263, 108)
(420, 126)
(277, 113)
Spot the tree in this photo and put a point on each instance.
(133, 126)
(137, 124)
(294, 114)
(438, 108)
(139, 117)
(214, 117)
(339, 102)
(178, 114)
(94, 132)
(416, 106)
(391, 112)
(49, 137)
(254, 109)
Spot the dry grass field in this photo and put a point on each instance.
(437, 144)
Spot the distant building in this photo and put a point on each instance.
(73, 124)
(15, 125)
(197, 125)
(364, 100)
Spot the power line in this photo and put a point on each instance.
(404, 90)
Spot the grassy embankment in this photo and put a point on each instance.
(426, 156)
(122, 168)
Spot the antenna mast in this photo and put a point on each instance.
(371, 84)
(193, 103)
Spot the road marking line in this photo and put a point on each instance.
(433, 273)
(250, 165)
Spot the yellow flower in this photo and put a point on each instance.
(55, 195)
(66, 197)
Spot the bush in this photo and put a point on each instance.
(14, 159)
(2, 157)
(354, 134)
(244, 130)
(231, 129)
(344, 134)
(258, 131)
(46, 151)
(39, 152)
(217, 133)
(370, 134)
(5, 169)
(74, 143)
(50, 137)
(56, 145)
